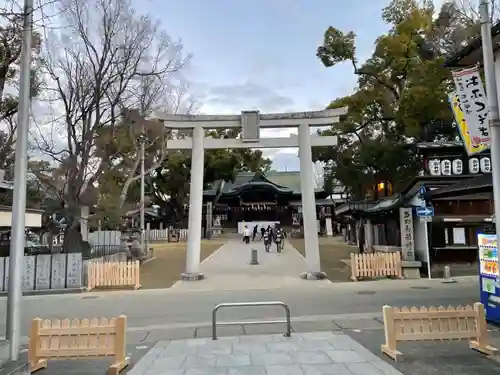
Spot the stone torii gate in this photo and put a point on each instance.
(251, 122)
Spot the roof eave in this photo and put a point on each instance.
(472, 53)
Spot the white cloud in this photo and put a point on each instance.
(233, 98)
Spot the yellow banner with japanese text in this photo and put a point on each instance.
(463, 128)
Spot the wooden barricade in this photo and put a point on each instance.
(78, 339)
(376, 264)
(432, 324)
(113, 274)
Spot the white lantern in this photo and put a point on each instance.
(473, 165)
(485, 164)
(434, 167)
(457, 166)
(446, 167)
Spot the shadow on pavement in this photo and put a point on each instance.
(431, 358)
(94, 366)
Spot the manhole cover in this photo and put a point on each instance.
(90, 297)
(366, 292)
(420, 287)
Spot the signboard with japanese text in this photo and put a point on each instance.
(488, 254)
(470, 91)
(463, 127)
(407, 240)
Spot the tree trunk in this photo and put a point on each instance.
(73, 242)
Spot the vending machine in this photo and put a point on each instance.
(489, 279)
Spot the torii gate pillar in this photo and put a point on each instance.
(251, 122)
(309, 205)
(195, 208)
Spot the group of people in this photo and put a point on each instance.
(271, 234)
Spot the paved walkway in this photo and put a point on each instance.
(318, 353)
(229, 269)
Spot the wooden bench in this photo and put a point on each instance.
(113, 274)
(376, 265)
(78, 339)
(432, 324)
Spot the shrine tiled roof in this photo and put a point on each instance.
(474, 185)
(435, 145)
(472, 53)
(284, 182)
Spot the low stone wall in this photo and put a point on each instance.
(47, 272)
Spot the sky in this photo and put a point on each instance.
(261, 54)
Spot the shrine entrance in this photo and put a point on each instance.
(250, 123)
(266, 211)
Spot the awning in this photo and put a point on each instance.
(386, 205)
(474, 185)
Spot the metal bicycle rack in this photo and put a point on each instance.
(287, 320)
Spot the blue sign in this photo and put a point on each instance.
(422, 191)
(424, 211)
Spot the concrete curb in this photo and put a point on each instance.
(48, 292)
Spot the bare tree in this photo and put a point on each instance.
(156, 136)
(458, 22)
(107, 59)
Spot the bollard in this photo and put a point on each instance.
(447, 275)
(254, 256)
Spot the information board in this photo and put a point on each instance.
(489, 279)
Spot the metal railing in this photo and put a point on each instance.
(287, 320)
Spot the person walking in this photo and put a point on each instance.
(246, 235)
(274, 230)
(267, 239)
(255, 231)
(262, 232)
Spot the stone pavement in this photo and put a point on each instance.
(229, 269)
(320, 353)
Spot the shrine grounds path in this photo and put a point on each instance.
(229, 268)
(225, 264)
(170, 262)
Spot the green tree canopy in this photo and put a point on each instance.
(400, 97)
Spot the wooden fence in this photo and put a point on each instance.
(429, 324)
(112, 237)
(113, 274)
(75, 339)
(376, 264)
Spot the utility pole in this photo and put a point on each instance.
(492, 96)
(142, 140)
(18, 239)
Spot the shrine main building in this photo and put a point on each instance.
(257, 197)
